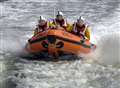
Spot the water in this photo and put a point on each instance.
(100, 69)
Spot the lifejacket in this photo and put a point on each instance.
(61, 23)
(42, 28)
(79, 30)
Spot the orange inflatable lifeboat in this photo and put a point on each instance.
(57, 42)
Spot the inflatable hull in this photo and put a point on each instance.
(58, 42)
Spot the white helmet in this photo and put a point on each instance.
(60, 13)
(80, 19)
(42, 19)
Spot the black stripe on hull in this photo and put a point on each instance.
(61, 38)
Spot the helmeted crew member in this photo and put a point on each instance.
(42, 25)
(81, 29)
(59, 21)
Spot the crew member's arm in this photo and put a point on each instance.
(69, 28)
(35, 31)
(51, 25)
(88, 32)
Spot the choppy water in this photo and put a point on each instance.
(100, 69)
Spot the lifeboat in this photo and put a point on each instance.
(58, 42)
